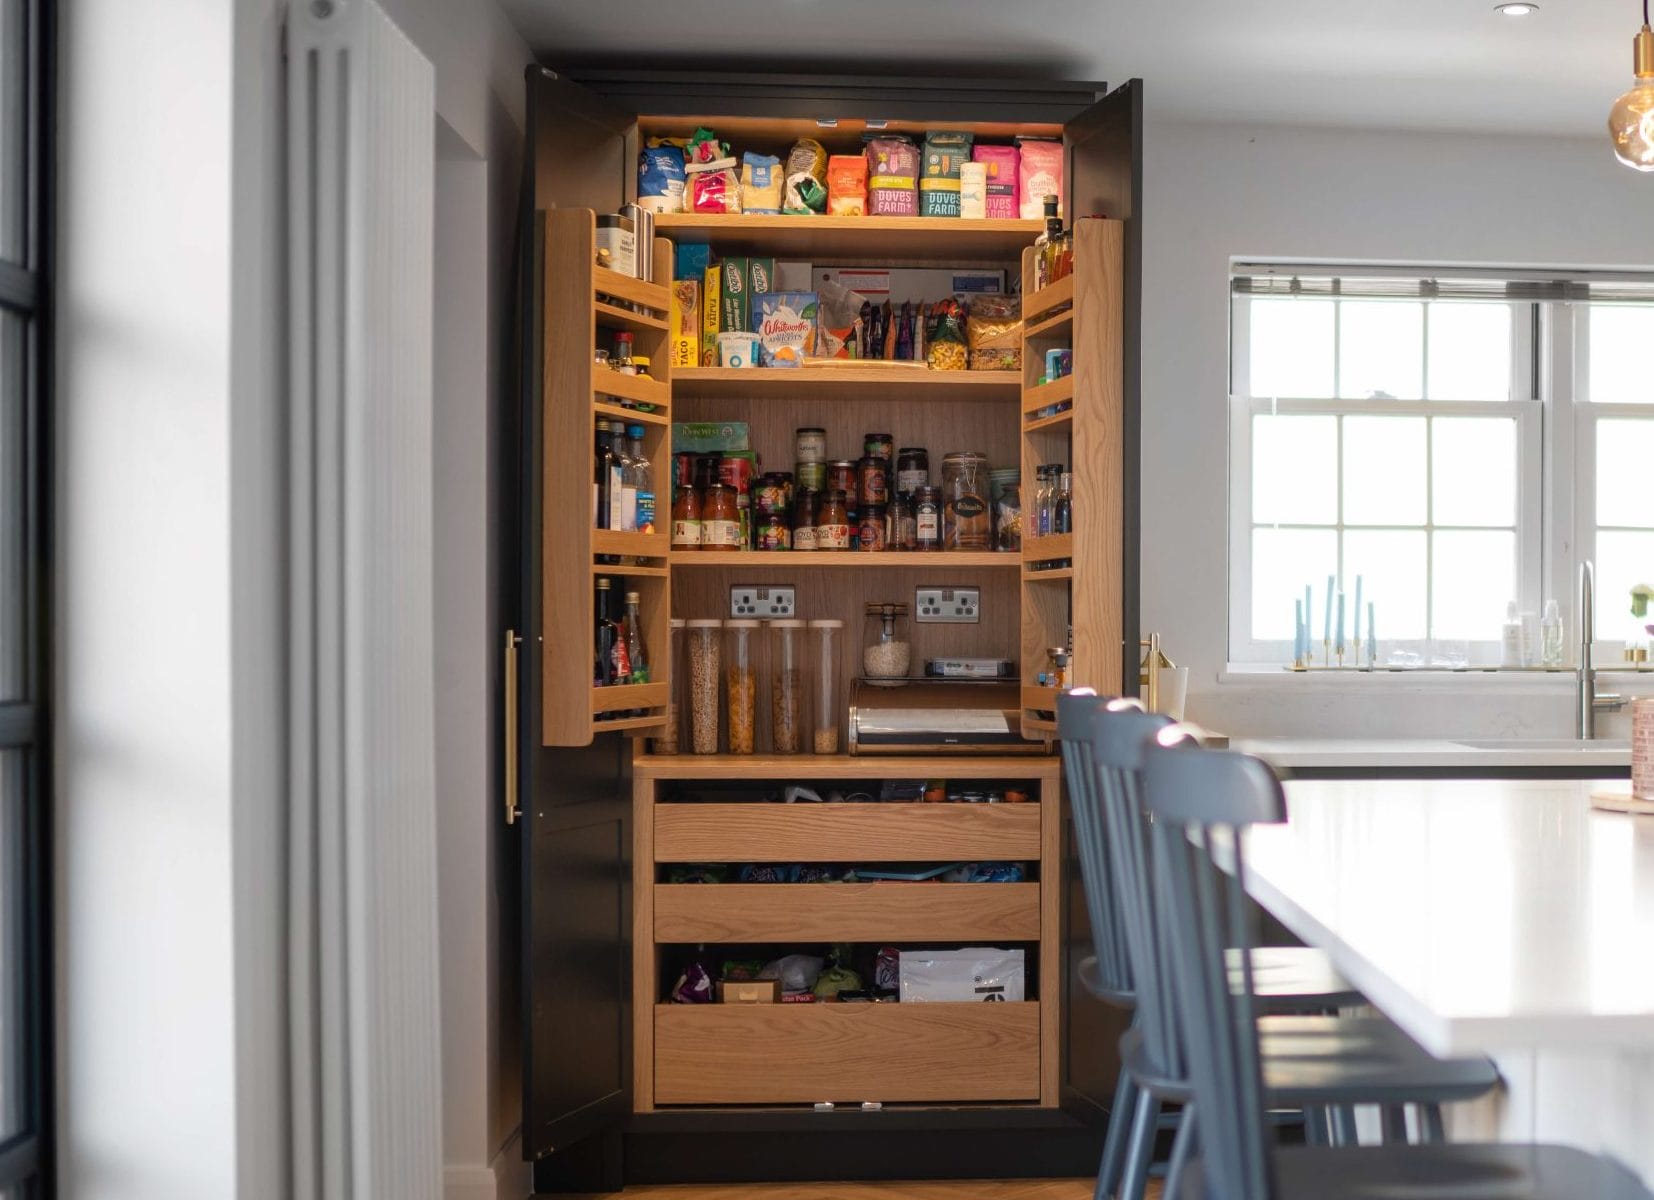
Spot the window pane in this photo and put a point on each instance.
(14, 179)
(1473, 471)
(1291, 347)
(1624, 560)
(1384, 471)
(1620, 336)
(1294, 470)
(13, 1037)
(1469, 351)
(13, 487)
(1625, 469)
(1391, 564)
(1474, 578)
(1283, 561)
(1381, 350)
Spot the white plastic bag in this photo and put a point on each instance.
(974, 973)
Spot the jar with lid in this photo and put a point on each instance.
(832, 523)
(877, 445)
(810, 444)
(772, 496)
(805, 501)
(874, 530)
(773, 533)
(811, 475)
(706, 470)
(621, 359)
(927, 518)
(841, 477)
(740, 685)
(705, 666)
(827, 706)
(666, 741)
(720, 519)
(873, 481)
(686, 520)
(787, 686)
(966, 519)
(640, 366)
(903, 528)
(886, 651)
(1008, 518)
(912, 469)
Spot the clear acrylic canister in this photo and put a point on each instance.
(704, 663)
(829, 709)
(666, 741)
(787, 686)
(740, 685)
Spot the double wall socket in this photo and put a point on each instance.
(762, 602)
(940, 605)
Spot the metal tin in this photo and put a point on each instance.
(841, 477)
(811, 476)
(810, 444)
(927, 519)
(874, 533)
(877, 445)
(873, 480)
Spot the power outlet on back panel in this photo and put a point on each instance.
(947, 605)
(763, 603)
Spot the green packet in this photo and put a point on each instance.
(710, 437)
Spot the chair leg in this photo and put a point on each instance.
(1431, 1118)
(1343, 1129)
(1315, 1126)
(1394, 1118)
(1182, 1146)
(1140, 1153)
(1114, 1146)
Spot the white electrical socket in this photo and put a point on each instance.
(938, 605)
(762, 602)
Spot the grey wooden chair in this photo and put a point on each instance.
(1200, 803)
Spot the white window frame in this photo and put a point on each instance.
(1529, 382)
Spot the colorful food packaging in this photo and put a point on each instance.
(946, 338)
(994, 318)
(703, 148)
(838, 314)
(1039, 174)
(711, 313)
(761, 276)
(710, 437)
(892, 177)
(945, 151)
(660, 176)
(760, 183)
(694, 986)
(693, 258)
(686, 323)
(847, 185)
(714, 187)
(785, 323)
(1003, 163)
(735, 301)
(805, 178)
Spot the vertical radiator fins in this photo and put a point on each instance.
(366, 1087)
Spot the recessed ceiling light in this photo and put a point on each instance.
(1517, 10)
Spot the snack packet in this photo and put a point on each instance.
(785, 323)
(991, 317)
(1039, 174)
(946, 337)
(714, 187)
(805, 184)
(838, 312)
(847, 185)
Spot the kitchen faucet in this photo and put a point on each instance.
(1587, 702)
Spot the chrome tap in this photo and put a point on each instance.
(1587, 703)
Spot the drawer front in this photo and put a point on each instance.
(846, 1053)
(847, 912)
(855, 832)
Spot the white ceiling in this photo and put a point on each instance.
(1408, 64)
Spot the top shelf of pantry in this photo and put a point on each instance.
(951, 240)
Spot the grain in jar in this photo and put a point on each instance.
(967, 520)
(740, 685)
(787, 686)
(705, 664)
(827, 705)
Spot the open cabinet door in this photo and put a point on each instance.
(575, 804)
(1104, 174)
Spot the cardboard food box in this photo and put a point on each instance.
(711, 303)
(742, 279)
(686, 323)
(750, 991)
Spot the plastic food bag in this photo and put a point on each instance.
(993, 317)
(714, 187)
(1003, 193)
(1039, 174)
(975, 973)
(839, 317)
(805, 178)
(846, 186)
(892, 177)
(760, 183)
(660, 176)
(939, 181)
(946, 337)
(703, 148)
(797, 972)
(785, 323)
(694, 986)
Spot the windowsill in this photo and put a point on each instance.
(1476, 678)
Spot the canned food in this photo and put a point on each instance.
(873, 475)
(774, 532)
(841, 477)
(810, 444)
(877, 445)
(772, 497)
(873, 535)
(812, 476)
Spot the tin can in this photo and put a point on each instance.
(927, 519)
(810, 445)
(874, 534)
(773, 495)
(877, 445)
(774, 533)
(811, 476)
(737, 472)
(841, 477)
(873, 476)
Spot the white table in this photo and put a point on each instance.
(1497, 916)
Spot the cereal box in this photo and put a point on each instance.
(686, 323)
(710, 324)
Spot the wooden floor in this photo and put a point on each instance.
(998, 1189)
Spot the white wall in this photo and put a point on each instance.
(1213, 192)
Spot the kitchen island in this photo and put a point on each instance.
(1504, 917)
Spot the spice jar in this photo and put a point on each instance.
(666, 741)
(886, 651)
(912, 469)
(966, 519)
(810, 444)
(740, 685)
(832, 523)
(804, 518)
(827, 707)
(686, 520)
(873, 480)
(903, 530)
(874, 531)
(705, 657)
(927, 519)
(720, 520)
(640, 364)
(787, 686)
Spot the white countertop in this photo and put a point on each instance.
(1477, 914)
(1290, 752)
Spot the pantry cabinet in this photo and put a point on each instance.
(603, 924)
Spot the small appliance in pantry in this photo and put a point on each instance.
(938, 716)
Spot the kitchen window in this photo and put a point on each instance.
(1456, 440)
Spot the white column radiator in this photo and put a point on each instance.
(366, 1087)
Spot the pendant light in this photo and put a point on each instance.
(1631, 124)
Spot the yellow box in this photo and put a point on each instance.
(711, 302)
(686, 323)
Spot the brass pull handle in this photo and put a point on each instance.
(512, 641)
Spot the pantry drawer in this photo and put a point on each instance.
(847, 912)
(845, 832)
(846, 1053)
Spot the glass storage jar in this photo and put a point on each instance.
(828, 708)
(740, 685)
(705, 655)
(967, 521)
(886, 650)
(666, 741)
(787, 686)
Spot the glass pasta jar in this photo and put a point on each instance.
(666, 741)
(887, 653)
(967, 520)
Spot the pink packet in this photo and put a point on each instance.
(1001, 161)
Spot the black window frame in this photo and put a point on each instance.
(27, 1158)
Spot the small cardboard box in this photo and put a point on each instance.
(686, 323)
(711, 303)
(750, 991)
(693, 258)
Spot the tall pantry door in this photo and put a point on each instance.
(575, 803)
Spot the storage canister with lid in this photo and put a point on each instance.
(740, 685)
(705, 667)
(827, 705)
(666, 740)
(967, 520)
(787, 686)
(887, 653)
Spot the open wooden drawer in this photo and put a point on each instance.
(847, 912)
(846, 1053)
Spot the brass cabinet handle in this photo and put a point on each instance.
(512, 641)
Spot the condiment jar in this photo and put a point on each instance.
(832, 523)
(810, 444)
(705, 664)
(873, 528)
(873, 481)
(903, 528)
(686, 520)
(827, 706)
(912, 470)
(804, 518)
(740, 685)
(1008, 518)
(841, 477)
(886, 651)
(927, 519)
(877, 445)
(720, 519)
(787, 686)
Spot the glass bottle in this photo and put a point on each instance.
(602, 639)
(621, 360)
(832, 523)
(665, 740)
(643, 483)
(623, 493)
(637, 659)
(787, 686)
(602, 474)
(740, 685)
(1042, 501)
(1062, 510)
(705, 666)
(904, 526)
(686, 520)
(827, 705)
(1045, 246)
(720, 519)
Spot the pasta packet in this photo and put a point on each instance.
(994, 318)
(946, 337)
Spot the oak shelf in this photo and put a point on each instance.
(843, 766)
(870, 239)
(816, 383)
(941, 560)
